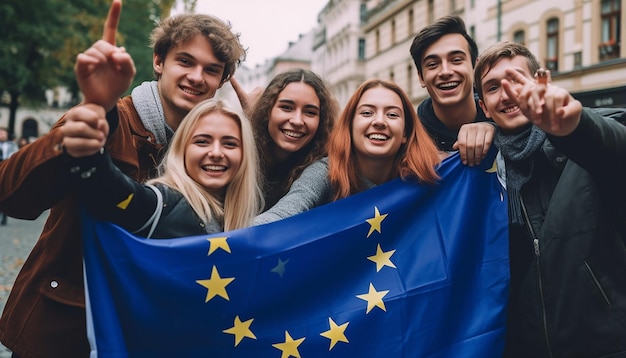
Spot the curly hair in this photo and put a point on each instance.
(288, 171)
(176, 30)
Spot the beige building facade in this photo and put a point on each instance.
(579, 40)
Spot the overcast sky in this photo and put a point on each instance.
(268, 26)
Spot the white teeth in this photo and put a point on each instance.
(214, 168)
(510, 109)
(448, 85)
(293, 134)
(190, 91)
(377, 136)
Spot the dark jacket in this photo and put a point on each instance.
(109, 195)
(45, 312)
(443, 136)
(568, 287)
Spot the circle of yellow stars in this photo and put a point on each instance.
(216, 286)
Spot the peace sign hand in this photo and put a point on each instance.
(104, 71)
(549, 107)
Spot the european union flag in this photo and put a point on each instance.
(401, 270)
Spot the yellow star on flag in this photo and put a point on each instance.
(335, 333)
(375, 221)
(241, 330)
(382, 258)
(289, 347)
(374, 299)
(218, 243)
(124, 203)
(216, 286)
(494, 167)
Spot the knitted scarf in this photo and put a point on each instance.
(518, 150)
(148, 105)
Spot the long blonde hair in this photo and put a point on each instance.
(243, 199)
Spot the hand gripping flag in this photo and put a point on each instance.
(401, 270)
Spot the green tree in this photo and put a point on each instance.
(40, 41)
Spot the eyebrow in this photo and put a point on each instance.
(188, 55)
(451, 53)
(291, 101)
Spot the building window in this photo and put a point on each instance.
(392, 76)
(578, 59)
(393, 32)
(472, 31)
(519, 37)
(377, 43)
(452, 5)
(361, 49)
(552, 45)
(610, 32)
(411, 22)
(363, 13)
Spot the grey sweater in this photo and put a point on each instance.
(310, 190)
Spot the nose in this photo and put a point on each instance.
(446, 68)
(296, 119)
(379, 120)
(215, 151)
(195, 74)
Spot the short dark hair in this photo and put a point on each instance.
(446, 25)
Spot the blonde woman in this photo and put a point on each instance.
(208, 179)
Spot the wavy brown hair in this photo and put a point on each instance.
(416, 158)
(285, 173)
(176, 30)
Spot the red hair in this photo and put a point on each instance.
(416, 158)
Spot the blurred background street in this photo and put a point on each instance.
(17, 238)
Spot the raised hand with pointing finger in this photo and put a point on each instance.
(104, 71)
(194, 54)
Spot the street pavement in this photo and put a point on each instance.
(17, 238)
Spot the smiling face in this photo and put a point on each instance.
(214, 153)
(496, 103)
(294, 119)
(447, 70)
(189, 74)
(378, 125)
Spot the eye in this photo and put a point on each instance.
(184, 61)
(366, 113)
(457, 60)
(491, 89)
(311, 113)
(431, 64)
(200, 141)
(231, 144)
(393, 115)
(213, 70)
(286, 107)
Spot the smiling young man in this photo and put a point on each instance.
(564, 168)
(444, 54)
(193, 56)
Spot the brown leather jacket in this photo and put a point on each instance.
(45, 313)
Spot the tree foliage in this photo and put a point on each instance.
(40, 41)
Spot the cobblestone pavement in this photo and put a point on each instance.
(17, 238)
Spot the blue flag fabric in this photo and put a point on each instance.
(401, 270)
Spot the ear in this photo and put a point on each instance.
(484, 108)
(419, 75)
(157, 65)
